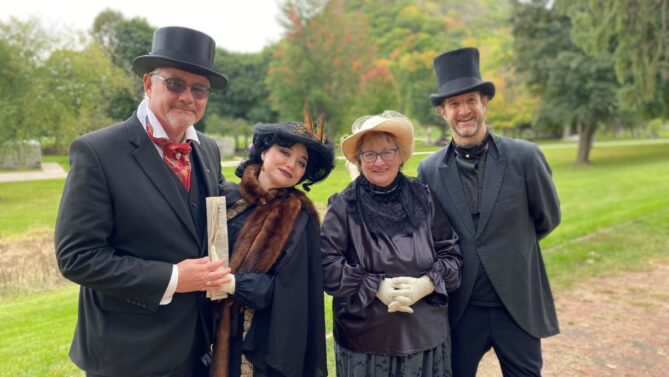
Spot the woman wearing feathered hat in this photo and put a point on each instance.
(273, 323)
(388, 263)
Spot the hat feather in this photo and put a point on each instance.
(307, 121)
(321, 124)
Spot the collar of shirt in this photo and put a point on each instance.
(143, 112)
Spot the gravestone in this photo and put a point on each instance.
(226, 145)
(21, 154)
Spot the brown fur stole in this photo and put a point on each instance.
(258, 245)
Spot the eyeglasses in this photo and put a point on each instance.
(387, 155)
(178, 86)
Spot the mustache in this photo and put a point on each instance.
(186, 107)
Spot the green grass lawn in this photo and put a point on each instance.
(615, 217)
(36, 333)
(29, 205)
(64, 161)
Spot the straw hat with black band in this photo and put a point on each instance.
(389, 121)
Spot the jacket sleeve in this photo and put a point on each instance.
(85, 223)
(544, 204)
(344, 277)
(446, 269)
(253, 290)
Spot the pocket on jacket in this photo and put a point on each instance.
(113, 304)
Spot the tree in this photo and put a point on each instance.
(319, 63)
(635, 35)
(246, 95)
(75, 90)
(123, 40)
(231, 127)
(22, 44)
(575, 89)
(50, 91)
(387, 47)
(409, 34)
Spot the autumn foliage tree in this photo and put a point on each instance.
(319, 63)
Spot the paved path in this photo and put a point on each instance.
(615, 326)
(50, 170)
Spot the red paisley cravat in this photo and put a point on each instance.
(175, 156)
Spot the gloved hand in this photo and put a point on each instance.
(386, 294)
(397, 306)
(409, 290)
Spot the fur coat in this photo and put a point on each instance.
(268, 230)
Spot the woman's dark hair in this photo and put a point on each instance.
(317, 169)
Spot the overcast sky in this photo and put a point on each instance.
(235, 25)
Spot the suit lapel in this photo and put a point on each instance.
(203, 156)
(153, 166)
(494, 175)
(450, 178)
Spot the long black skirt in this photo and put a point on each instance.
(435, 362)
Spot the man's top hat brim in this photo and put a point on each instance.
(463, 85)
(147, 63)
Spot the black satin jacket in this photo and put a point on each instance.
(355, 262)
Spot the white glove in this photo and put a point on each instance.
(397, 306)
(386, 294)
(229, 287)
(410, 290)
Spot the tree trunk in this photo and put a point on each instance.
(585, 139)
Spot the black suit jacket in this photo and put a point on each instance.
(121, 225)
(519, 206)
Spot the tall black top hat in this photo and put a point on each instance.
(458, 73)
(182, 48)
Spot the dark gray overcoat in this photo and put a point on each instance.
(519, 206)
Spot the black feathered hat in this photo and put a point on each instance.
(320, 150)
(299, 132)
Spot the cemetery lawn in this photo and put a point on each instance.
(615, 218)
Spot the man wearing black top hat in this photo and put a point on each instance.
(132, 222)
(499, 197)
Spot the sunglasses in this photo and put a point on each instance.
(178, 86)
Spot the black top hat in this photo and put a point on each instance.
(182, 48)
(458, 73)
